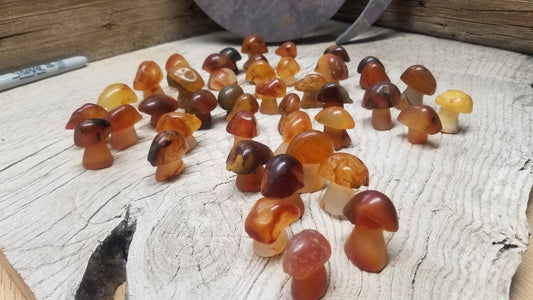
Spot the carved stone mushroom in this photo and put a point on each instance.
(247, 159)
(166, 153)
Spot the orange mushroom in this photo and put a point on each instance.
(292, 125)
(332, 67)
(243, 126)
(123, 119)
(380, 98)
(183, 123)
(420, 82)
(259, 71)
(246, 159)
(372, 71)
(166, 153)
(201, 104)
(148, 78)
(268, 91)
(186, 80)
(245, 101)
(176, 60)
(84, 112)
(253, 59)
(290, 103)
(220, 78)
(287, 68)
(421, 121)
(91, 135)
(253, 44)
(336, 120)
(287, 49)
(310, 85)
(339, 51)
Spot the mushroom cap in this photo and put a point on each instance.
(158, 104)
(295, 123)
(246, 156)
(422, 118)
(176, 60)
(258, 71)
(381, 95)
(282, 177)
(372, 209)
(367, 60)
(419, 78)
(273, 87)
(287, 49)
(245, 101)
(167, 146)
(310, 83)
(84, 112)
(254, 44)
(372, 72)
(332, 67)
(268, 218)
(311, 147)
(232, 53)
(289, 103)
(148, 76)
(339, 51)
(185, 77)
(228, 94)
(344, 169)
(306, 252)
(217, 61)
(116, 94)
(455, 100)
(335, 117)
(91, 132)
(253, 59)
(287, 67)
(123, 116)
(220, 78)
(201, 102)
(332, 93)
(243, 124)
(183, 123)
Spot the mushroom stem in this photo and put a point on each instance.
(416, 137)
(366, 249)
(155, 91)
(282, 148)
(309, 100)
(311, 287)
(273, 249)
(289, 81)
(206, 120)
(250, 182)
(167, 171)
(191, 142)
(296, 199)
(340, 137)
(381, 119)
(312, 182)
(269, 106)
(97, 157)
(124, 138)
(449, 120)
(410, 96)
(183, 97)
(335, 198)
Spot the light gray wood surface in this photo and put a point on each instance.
(461, 198)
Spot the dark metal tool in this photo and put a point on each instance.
(282, 20)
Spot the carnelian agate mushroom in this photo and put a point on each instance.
(339, 51)
(287, 49)
(243, 126)
(201, 104)
(421, 121)
(311, 148)
(420, 82)
(148, 79)
(310, 85)
(246, 159)
(220, 78)
(332, 67)
(268, 91)
(371, 212)
(233, 55)
(290, 103)
(183, 123)
(176, 60)
(379, 99)
(186, 80)
(228, 95)
(287, 69)
(336, 120)
(253, 59)
(166, 153)
(283, 178)
(266, 223)
(333, 94)
(345, 172)
(259, 71)
(245, 101)
(157, 105)
(304, 260)
(217, 61)
(84, 112)
(116, 94)
(292, 125)
(91, 134)
(453, 102)
(372, 71)
(253, 44)
(123, 119)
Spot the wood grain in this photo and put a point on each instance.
(461, 198)
(500, 24)
(35, 32)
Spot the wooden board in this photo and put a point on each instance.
(461, 198)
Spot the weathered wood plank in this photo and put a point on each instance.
(500, 24)
(33, 32)
(461, 198)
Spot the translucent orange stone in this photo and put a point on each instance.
(91, 134)
(287, 68)
(366, 60)
(420, 78)
(339, 51)
(220, 78)
(148, 78)
(187, 80)
(287, 49)
(372, 73)
(336, 120)
(421, 121)
(294, 124)
(268, 218)
(166, 152)
(283, 176)
(157, 105)
(84, 112)
(183, 123)
(217, 61)
(247, 158)
(254, 44)
(116, 94)
(311, 146)
(123, 119)
(268, 91)
(380, 98)
(245, 101)
(332, 67)
(344, 169)
(243, 125)
(258, 71)
(253, 59)
(290, 103)
(201, 104)
(310, 85)
(176, 60)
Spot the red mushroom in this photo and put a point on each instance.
(123, 119)
(157, 105)
(201, 104)
(84, 112)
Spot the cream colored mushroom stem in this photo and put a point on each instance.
(273, 249)
(335, 199)
(410, 96)
(312, 182)
(191, 142)
(449, 120)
